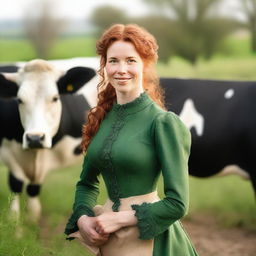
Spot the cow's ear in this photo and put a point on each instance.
(74, 79)
(8, 86)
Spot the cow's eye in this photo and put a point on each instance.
(55, 98)
(19, 101)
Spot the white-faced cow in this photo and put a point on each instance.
(221, 117)
(41, 126)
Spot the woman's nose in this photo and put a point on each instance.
(121, 69)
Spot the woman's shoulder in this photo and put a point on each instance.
(162, 115)
(169, 120)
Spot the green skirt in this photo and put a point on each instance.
(174, 242)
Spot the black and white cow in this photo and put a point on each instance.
(41, 126)
(221, 117)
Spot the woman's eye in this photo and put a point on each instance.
(131, 60)
(112, 61)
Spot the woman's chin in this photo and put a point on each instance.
(123, 89)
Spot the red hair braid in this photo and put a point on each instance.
(146, 46)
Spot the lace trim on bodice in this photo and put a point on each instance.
(107, 159)
(133, 105)
(121, 112)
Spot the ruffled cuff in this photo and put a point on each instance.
(146, 224)
(71, 226)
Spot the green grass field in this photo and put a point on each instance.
(238, 63)
(230, 199)
(21, 50)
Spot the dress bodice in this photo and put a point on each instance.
(123, 149)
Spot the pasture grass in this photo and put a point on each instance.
(12, 50)
(228, 199)
(238, 45)
(74, 47)
(220, 68)
(236, 63)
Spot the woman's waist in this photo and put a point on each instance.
(125, 203)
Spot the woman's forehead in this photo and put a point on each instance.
(122, 49)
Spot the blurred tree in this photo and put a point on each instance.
(195, 29)
(158, 25)
(104, 16)
(249, 10)
(42, 27)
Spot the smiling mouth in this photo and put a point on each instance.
(122, 80)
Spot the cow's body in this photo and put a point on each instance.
(57, 143)
(221, 117)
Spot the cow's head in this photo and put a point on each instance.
(38, 86)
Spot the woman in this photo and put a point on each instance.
(130, 139)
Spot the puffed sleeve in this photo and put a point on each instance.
(87, 190)
(172, 142)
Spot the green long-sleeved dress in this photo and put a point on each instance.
(135, 143)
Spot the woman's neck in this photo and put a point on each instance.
(126, 97)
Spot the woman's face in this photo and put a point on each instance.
(124, 67)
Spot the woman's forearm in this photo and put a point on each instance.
(127, 218)
(110, 222)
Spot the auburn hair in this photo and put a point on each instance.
(147, 47)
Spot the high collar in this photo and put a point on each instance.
(133, 106)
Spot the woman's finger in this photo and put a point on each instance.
(74, 235)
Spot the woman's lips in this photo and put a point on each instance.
(122, 80)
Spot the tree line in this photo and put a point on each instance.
(191, 29)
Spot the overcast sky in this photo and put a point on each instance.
(70, 8)
(82, 8)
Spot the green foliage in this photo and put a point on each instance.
(105, 16)
(235, 64)
(248, 8)
(162, 28)
(195, 29)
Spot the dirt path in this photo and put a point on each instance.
(212, 240)
(209, 238)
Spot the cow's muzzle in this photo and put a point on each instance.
(35, 140)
